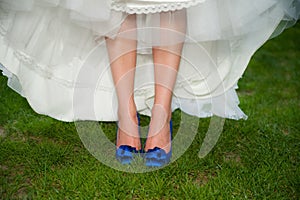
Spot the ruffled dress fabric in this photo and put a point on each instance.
(55, 55)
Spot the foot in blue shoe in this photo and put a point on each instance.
(157, 157)
(126, 153)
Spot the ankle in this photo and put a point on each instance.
(128, 122)
(128, 112)
(162, 111)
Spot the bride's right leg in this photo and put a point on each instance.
(122, 55)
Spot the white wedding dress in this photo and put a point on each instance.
(54, 52)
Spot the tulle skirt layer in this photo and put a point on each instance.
(55, 55)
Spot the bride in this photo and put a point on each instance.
(113, 60)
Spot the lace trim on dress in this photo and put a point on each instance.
(153, 8)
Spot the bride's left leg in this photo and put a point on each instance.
(166, 58)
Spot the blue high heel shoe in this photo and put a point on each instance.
(126, 153)
(157, 157)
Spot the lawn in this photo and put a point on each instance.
(258, 158)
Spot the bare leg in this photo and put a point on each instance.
(166, 63)
(122, 55)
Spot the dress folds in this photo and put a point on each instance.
(54, 52)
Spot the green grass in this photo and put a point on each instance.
(41, 158)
